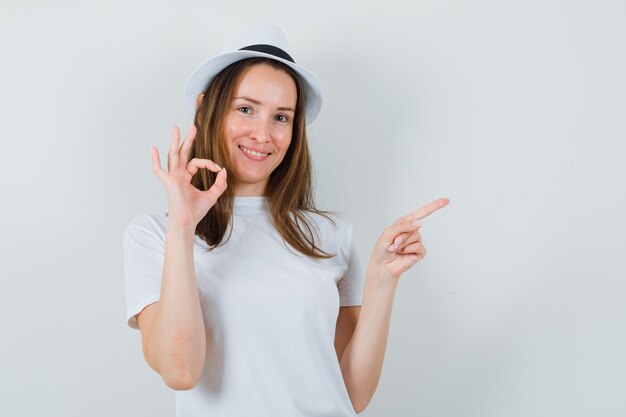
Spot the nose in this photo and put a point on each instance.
(260, 130)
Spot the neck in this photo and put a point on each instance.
(250, 190)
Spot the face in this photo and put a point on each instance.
(258, 126)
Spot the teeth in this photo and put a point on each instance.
(257, 154)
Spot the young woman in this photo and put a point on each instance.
(250, 301)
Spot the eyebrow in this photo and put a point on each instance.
(258, 102)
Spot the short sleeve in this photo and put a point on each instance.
(351, 285)
(144, 250)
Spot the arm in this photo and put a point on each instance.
(362, 360)
(397, 250)
(175, 336)
(173, 333)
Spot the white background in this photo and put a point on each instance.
(514, 110)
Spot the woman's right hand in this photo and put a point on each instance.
(187, 205)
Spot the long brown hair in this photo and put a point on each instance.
(290, 193)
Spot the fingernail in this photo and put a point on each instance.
(416, 223)
(392, 248)
(225, 174)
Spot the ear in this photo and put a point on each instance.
(199, 100)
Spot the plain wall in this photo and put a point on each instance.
(513, 110)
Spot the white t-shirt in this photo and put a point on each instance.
(270, 312)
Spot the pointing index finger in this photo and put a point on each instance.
(429, 208)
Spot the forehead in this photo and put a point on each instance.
(266, 83)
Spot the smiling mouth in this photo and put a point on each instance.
(253, 153)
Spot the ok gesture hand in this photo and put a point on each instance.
(400, 246)
(187, 205)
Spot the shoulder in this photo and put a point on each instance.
(335, 231)
(151, 224)
(328, 221)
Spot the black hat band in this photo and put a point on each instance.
(269, 49)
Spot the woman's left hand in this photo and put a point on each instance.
(400, 245)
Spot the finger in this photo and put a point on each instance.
(401, 219)
(429, 208)
(391, 233)
(426, 210)
(396, 243)
(416, 248)
(156, 164)
(196, 163)
(218, 187)
(416, 215)
(172, 155)
(416, 236)
(185, 148)
(405, 239)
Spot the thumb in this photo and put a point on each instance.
(390, 235)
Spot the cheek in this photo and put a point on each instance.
(283, 137)
(233, 127)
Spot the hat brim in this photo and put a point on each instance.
(206, 71)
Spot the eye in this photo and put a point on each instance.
(245, 109)
(281, 117)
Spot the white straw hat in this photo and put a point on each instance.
(261, 41)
